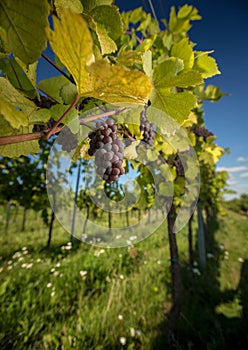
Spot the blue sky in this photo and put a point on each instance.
(224, 29)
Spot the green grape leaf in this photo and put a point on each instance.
(71, 120)
(14, 106)
(129, 58)
(41, 116)
(72, 5)
(130, 151)
(147, 63)
(166, 71)
(109, 18)
(188, 11)
(107, 44)
(29, 70)
(206, 65)
(211, 93)
(53, 86)
(184, 51)
(18, 78)
(68, 93)
(15, 150)
(13, 116)
(91, 4)
(72, 43)
(25, 23)
(116, 84)
(4, 49)
(176, 105)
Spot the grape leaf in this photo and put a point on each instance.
(15, 150)
(25, 23)
(72, 5)
(14, 106)
(90, 4)
(4, 49)
(18, 78)
(147, 63)
(129, 58)
(68, 93)
(206, 65)
(212, 93)
(72, 43)
(107, 44)
(184, 51)
(71, 120)
(40, 116)
(176, 105)
(130, 151)
(109, 18)
(53, 86)
(116, 84)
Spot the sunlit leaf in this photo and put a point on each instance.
(72, 5)
(14, 106)
(72, 43)
(115, 84)
(207, 66)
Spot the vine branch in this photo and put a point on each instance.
(6, 140)
(58, 69)
(50, 132)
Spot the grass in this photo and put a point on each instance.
(87, 298)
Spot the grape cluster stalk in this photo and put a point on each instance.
(149, 129)
(108, 150)
(202, 131)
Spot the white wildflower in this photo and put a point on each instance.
(118, 237)
(10, 267)
(241, 260)
(158, 262)
(121, 277)
(9, 262)
(49, 285)
(123, 340)
(132, 238)
(132, 332)
(58, 264)
(53, 293)
(21, 258)
(29, 266)
(56, 273)
(1, 269)
(120, 317)
(196, 271)
(52, 270)
(38, 260)
(83, 273)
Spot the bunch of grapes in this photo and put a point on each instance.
(202, 131)
(108, 150)
(44, 127)
(179, 166)
(149, 129)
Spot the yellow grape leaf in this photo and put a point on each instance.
(116, 84)
(72, 43)
(13, 116)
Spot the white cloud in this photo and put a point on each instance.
(234, 169)
(244, 175)
(242, 159)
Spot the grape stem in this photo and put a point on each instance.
(50, 132)
(58, 69)
(6, 140)
(102, 115)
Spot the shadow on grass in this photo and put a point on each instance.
(201, 326)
